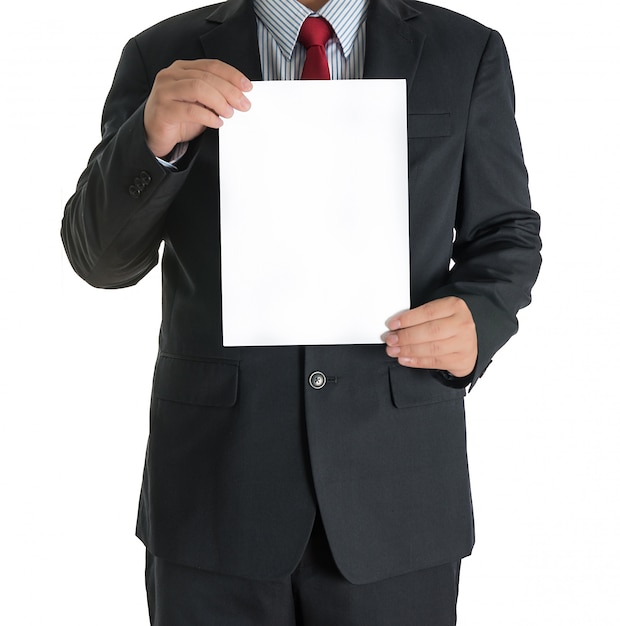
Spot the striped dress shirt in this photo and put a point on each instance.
(282, 58)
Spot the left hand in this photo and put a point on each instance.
(439, 335)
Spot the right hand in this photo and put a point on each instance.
(188, 97)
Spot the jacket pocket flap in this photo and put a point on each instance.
(203, 383)
(429, 125)
(413, 387)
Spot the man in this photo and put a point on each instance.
(316, 485)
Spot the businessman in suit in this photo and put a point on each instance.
(310, 484)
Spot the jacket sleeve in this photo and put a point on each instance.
(113, 224)
(497, 246)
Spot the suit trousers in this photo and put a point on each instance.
(315, 594)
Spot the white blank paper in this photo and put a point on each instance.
(314, 213)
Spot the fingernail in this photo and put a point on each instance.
(244, 104)
(391, 339)
(393, 351)
(393, 324)
(246, 85)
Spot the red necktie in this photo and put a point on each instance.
(314, 33)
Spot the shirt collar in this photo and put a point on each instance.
(283, 19)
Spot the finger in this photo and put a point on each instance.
(456, 364)
(425, 333)
(446, 363)
(172, 121)
(196, 114)
(210, 91)
(436, 309)
(209, 86)
(219, 68)
(432, 349)
(429, 363)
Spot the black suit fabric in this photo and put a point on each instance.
(242, 449)
(315, 594)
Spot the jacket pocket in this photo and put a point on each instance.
(195, 381)
(412, 387)
(429, 125)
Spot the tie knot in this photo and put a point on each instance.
(315, 31)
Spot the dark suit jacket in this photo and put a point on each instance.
(242, 449)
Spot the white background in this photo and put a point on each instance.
(77, 363)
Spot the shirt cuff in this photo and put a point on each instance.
(177, 153)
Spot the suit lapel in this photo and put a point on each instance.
(231, 37)
(393, 45)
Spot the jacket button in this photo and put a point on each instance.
(317, 380)
(139, 183)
